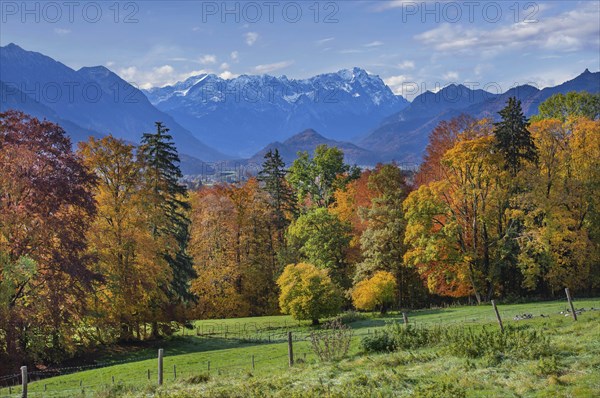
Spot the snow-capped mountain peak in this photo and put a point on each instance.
(344, 104)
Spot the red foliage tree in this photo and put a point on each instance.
(45, 208)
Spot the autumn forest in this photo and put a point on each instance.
(101, 243)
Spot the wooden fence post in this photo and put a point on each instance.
(174, 372)
(24, 381)
(571, 303)
(160, 366)
(208, 366)
(290, 349)
(252, 361)
(498, 316)
(405, 318)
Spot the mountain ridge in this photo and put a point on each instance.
(404, 135)
(247, 111)
(251, 113)
(92, 99)
(308, 140)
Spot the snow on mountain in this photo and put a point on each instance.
(243, 114)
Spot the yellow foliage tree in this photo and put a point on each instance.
(375, 292)
(558, 248)
(125, 252)
(307, 292)
(234, 244)
(213, 245)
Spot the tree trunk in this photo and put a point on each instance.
(315, 322)
(155, 334)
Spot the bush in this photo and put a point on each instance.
(380, 341)
(396, 336)
(472, 343)
(308, 293)
(351, 316)
(410, 337)
(490, 344)
(332, 342)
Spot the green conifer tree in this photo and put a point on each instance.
(168, 207)
(513, 139)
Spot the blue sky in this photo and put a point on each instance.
(413, 46)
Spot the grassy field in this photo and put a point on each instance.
(219, 362)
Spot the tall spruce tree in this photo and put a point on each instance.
(168, 208)
(513, 139)
(515, 143)
(283, 201)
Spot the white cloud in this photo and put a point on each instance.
(451, 76)
(228, 75)
(350, 51)
(406, 65)
(110, 63)
(251, 38)
(376, 43)
(156, 77)
(569, 31)
(164, 70)
(323, 41)
(235, 56)
(224, 66)
(268, 68)
(128, 73)
(62, 31)
(207, 59)
(396, 83)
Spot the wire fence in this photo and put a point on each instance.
(262, 335)
(173, 372)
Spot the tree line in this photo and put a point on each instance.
(104, 244)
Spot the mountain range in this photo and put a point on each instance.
(89, 101)
(243, 113)
(213, 119)
(404, 135)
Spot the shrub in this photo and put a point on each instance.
(490, 344)
(351, 316)
(472, 343)
(380, 341)
(308, 293)
(332, 342)
(396, 336)
(410, 337)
